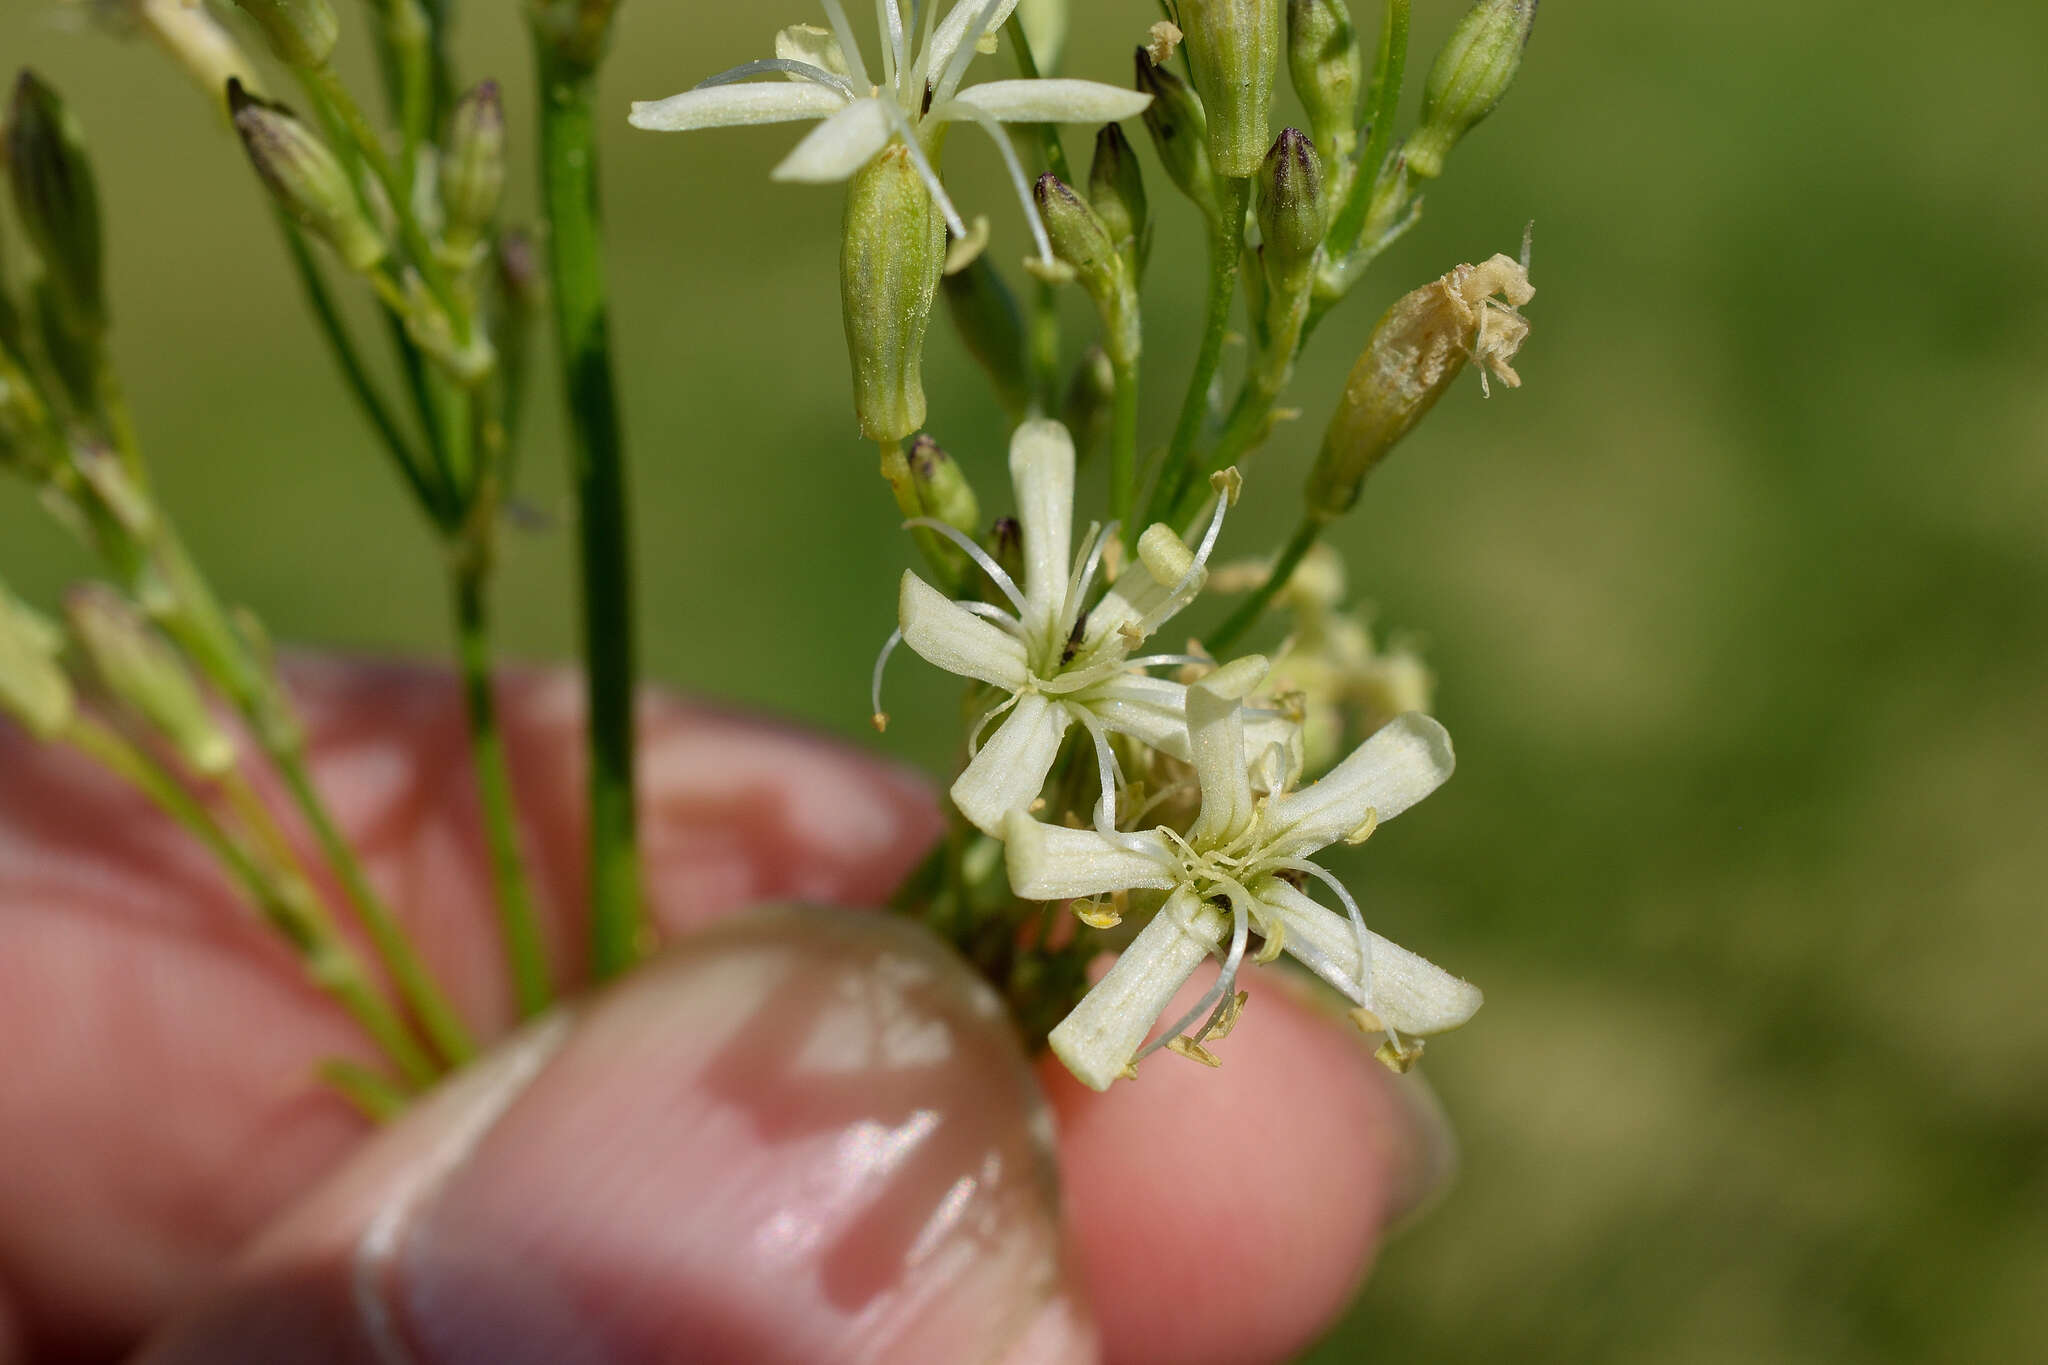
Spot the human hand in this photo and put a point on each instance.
(796, 1135)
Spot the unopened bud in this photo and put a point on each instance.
(1468, 79)
(1415, 352)
(1005, 546)
(942, 487)
(139, 669)
(473, 168)
(986, 316)
(1234, 46)
(1328, 69)
(1116, 190)
(33, 688)
(57, 201)
(1291, 204)
(305, 179)
(301, 32)
(575, 31)
(1179, 129)
(890, 256)
(1083, 242)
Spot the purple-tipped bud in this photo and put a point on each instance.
(301, 32)
(305, 179)
(1179, 129)
(57, 200)
(473, 171)
(1116, 190)
(1292, 210)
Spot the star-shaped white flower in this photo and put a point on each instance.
(919, 94)
(1236, 869)
(1061, 661)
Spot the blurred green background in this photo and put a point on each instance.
(1740, 608)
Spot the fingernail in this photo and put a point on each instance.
(802, 1136)
(1425, 1152)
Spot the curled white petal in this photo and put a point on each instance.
(949, 636)
(1044, 101)
(839, 146)
(1042, 472)
(945, 42)
(1104, 1032)
(1009, 769)
(1216, 740)
(1052, 862)
(728, 106)
(1408, 758)
(1150, 710)
(1409, 993)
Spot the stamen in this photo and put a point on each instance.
(1085, 565)
(956, 66)
(908, 132)
(1108, 772)
(981, 723)
(817, 75)
(881, 717)
(1019, 182)
(916, 79)
(843, 31)
(1175, 660)
(974, 552)
(890, 21)
(1364, 996)
(1212, 999)
(989, 611)
(1159, 615)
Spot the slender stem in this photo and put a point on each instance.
(568, 141)
(941, 557)
(1044, 323)
(1226, 243)
(1049, 133)
(328, 961)
(1254, 606)
(1382, 104)
(518, 918)
(1123, 446)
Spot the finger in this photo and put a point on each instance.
(160, 1100)
(1274, 1175)
(800, 1137)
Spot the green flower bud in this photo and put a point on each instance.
(301, 32)
(1328, 69)
(1415, 352)
(1234, 46)
(575, 31)
(33, 688)
(1082, 241)
(57, 201)
(306, 179)
(473, 168)
(985, 314)
(942, 487)
(23, 418)
(1291, 205)
(1468, 79)
(1179, 129)
(139, 669)
(1116, 189)
(890, 255)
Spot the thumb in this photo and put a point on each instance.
(801, 1136)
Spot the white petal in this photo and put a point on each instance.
(839, 146)
(1042, 471)
(1143, 588)
(809, 43)
(1151, 710)
(946, 39)
(1044, 101)
(726, 106)
(1010, 767)
(1273, 749)
(1099, 1038)
(1408, 758)
(948, 635)
(1409, 993)
(1216, 742)
(1054, 863)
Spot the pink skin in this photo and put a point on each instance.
(159, 1131)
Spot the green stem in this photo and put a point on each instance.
(518, 918)
(568, 141)
(1123, 446)
(1382, 105)
(1049, 133)
(328, 961)
(1226, 243)
(1254, 606)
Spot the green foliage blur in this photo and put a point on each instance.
(1740, 608)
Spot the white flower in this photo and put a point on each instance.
(918, 95)
(1061, 661)
(1234, 870)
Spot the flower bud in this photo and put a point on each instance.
(305, 179)
(473, 169)
(942, 487)
(23, 418)
(1116, 189)
(1005, 545)
(1179, 129)
(139, 669)
(33, 688)
(57, 201)
(1414, 354)
(1291, 204)
(1233, 46)
(1328, 69)
(985, 314)
(890, 255)
(1469, 77)
(1082, 241)
(575, 31)
(301, 32)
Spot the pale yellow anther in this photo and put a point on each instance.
(881, 721)
(1398, 1055)
(1194, 1052)
(1229, 483)
(1365, 827)
(1276, 939)
(964, 250)
(1097, 914)
(1228, 1019)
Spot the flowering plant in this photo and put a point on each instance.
(1117, 793)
